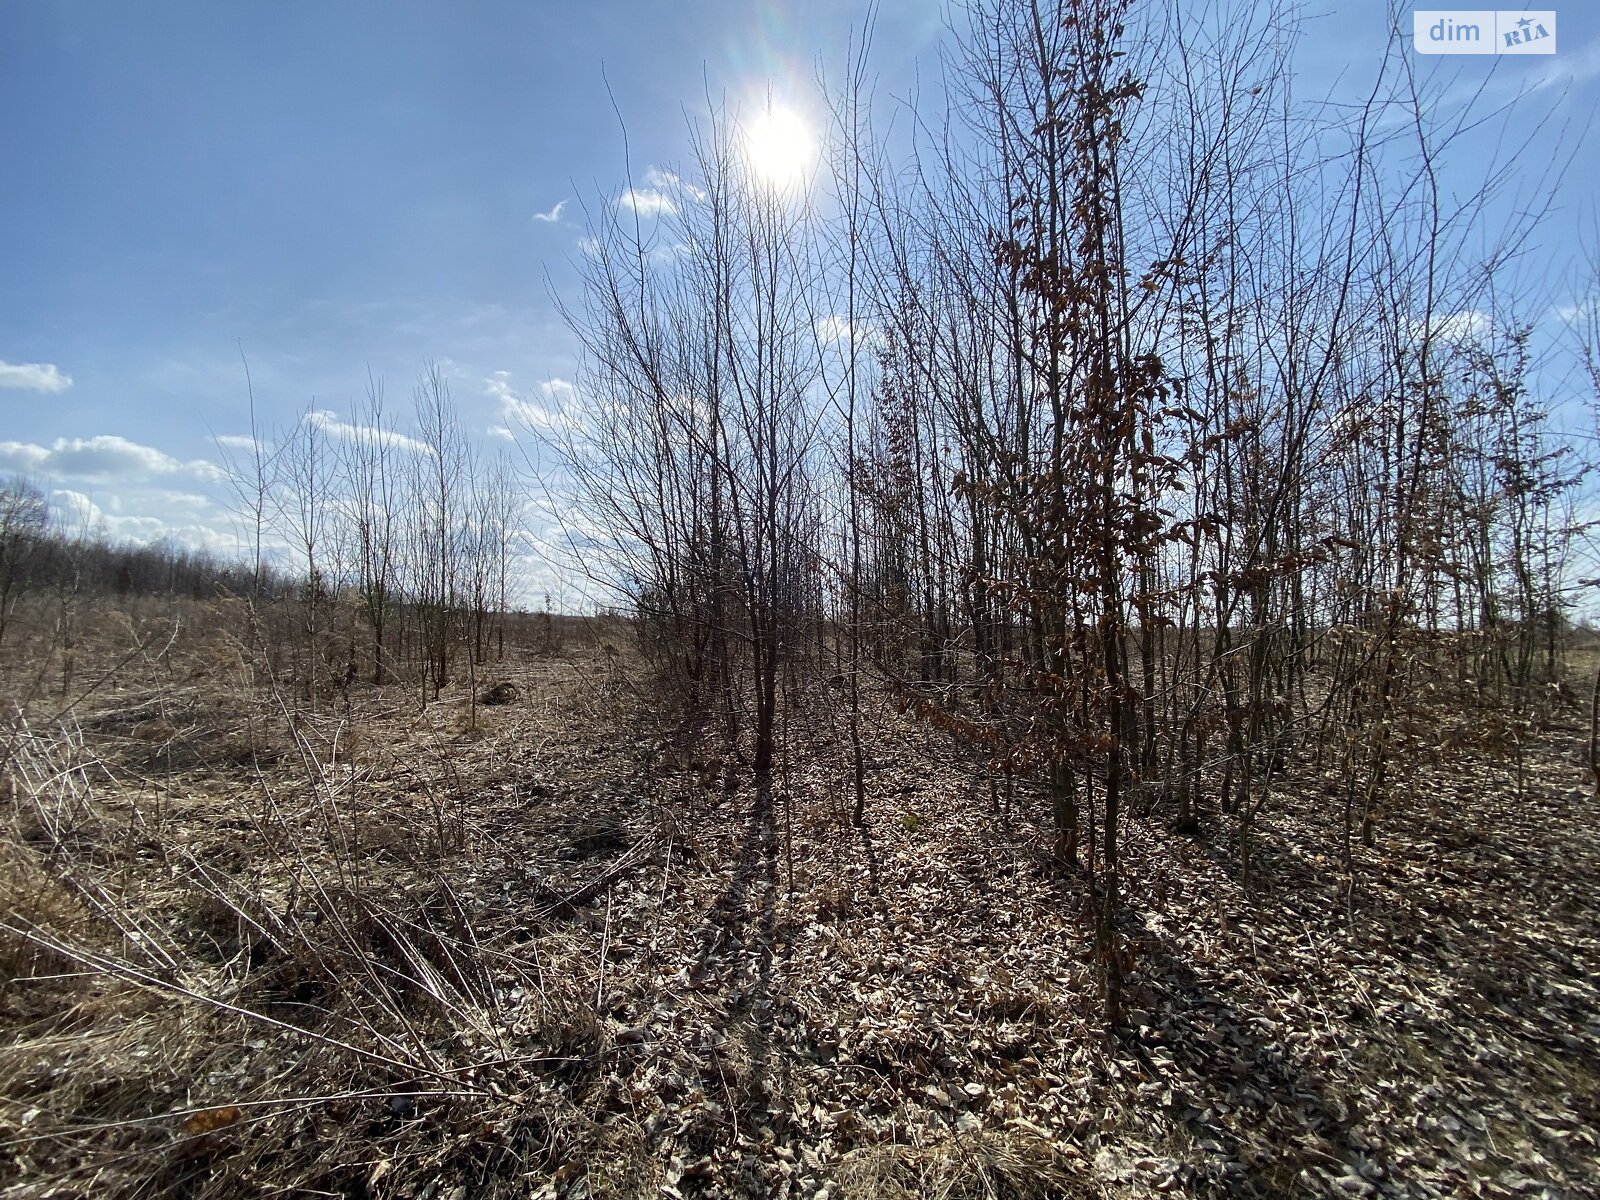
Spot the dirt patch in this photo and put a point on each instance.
(504, 692)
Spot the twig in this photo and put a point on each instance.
(132, 974)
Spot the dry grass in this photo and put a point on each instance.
(234, 957)
(1005, 1166)
(252, 945)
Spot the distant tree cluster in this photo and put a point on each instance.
(372, 552)
(41, 555)
(400, 539)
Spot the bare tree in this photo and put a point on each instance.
(438, 507)
(24, 518)
(305, 513)
(695, 452)
(373, 497)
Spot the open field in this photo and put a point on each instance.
(366, 950)
(1091, 516)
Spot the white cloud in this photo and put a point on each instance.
(834, 328)
(669, 253)
(559, 390)
(143, 517)
(239, 441)
(498, 385)
(330, 424)
(663, 194)
(1569, 69)
(556, 406)
(102, 459)
(666, 181)
(551, 215)
(527, 414)
(22, 458)
(75, 511)
(1572, 314)
(647, 202)
(33, 377)
(1463, 326)
(188, 501)
(513, 409)
(109, 456)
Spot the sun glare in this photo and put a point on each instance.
(779, 146)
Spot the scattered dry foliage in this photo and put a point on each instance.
(545, 949)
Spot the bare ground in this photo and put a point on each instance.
(379, 953)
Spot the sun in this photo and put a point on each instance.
(779, 146)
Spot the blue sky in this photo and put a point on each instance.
(336, 185)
